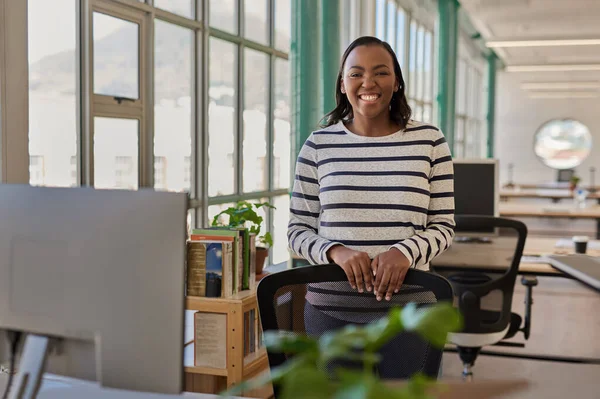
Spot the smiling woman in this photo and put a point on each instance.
(373, 190)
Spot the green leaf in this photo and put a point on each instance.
(306, 382)
(432, 323)
(289, 342)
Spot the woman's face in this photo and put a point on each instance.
(369, 80)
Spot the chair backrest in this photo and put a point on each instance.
(483, 274)
(289, 300)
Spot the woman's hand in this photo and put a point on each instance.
(356, 264)
(390, 268)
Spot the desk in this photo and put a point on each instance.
(495, 260)
(554, 194)
(511, 209)
(58, 387)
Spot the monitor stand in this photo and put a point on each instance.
(473, 240)
(28, 379)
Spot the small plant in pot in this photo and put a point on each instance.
(574, 182)
(243, 214)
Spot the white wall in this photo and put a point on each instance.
(518, 118)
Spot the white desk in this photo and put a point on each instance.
(57, 387)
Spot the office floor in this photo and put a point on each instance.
(565, 322)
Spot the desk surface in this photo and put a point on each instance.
(548, 210)
(58, 387)
(496, 258)
(543, 193)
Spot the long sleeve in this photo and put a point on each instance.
(305, 209)
(437, 236)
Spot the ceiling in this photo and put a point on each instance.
(517, 20)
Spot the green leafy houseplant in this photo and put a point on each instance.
(574, 182)
(305, 374)
(243, 214)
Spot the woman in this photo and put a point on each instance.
(374, 189)
(373, 193)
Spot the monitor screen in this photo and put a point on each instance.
(476, 189)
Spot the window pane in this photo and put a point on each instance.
(391, 24)
(281, 116)
(223, 15)
(418, 112)
(419, 65)
(221, 117)
(116, 56)
(280, 223)
(283, 24)
(214, 210)
(412, 62)
(185, 8)
(256, 103)
(255, 25)
(52, 88)
(427, 117)
(428, 67)
(173, 114)
(401, 31)
(461, 82)
(380, 19)
(116, 149)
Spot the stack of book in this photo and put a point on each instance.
(220, 262)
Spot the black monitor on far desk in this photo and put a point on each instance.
(476, 193)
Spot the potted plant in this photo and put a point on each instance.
(305, 375)
(574, 182)
(243, 214)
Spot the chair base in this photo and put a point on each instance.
(468, 356)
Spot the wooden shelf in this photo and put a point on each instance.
(239, 368)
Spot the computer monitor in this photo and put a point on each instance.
(476, 192)
(100, 273)
(564, 175)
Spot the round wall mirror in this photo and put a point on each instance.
(563, 143)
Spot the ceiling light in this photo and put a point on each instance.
(557, 95)
(542, 43)
(559, 85)
(553, 68)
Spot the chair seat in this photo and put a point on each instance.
(473, 339)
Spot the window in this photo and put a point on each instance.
(53, 111)
(219, 124)
(160, 173)
(563, 143)
(36, 170)
(470, 134)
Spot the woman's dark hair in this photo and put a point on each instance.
(400, 111)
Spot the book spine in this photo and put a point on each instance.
(196, 269)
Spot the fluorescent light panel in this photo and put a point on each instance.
(560, 85)
(542, 43)
(557, 95)
(553, 68)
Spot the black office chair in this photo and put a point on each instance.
(484, 293)
(321, 294)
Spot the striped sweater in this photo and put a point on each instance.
(373, 193)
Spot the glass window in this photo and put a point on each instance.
(412, 62)
(255, 24)
(116, 166)
(185, 8)
(283, 23)
(281, 128)
(280, 222)
(160, 173)
(380, 19)
(256, 104)
(419, 65)
(223, 15)
(563, 143)
(36, 170)
(221, 117)
(401, 37)
(116, 56)
(428, 67)
(173, 92)
(461, 87)
(391, 24)
(53, 105)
